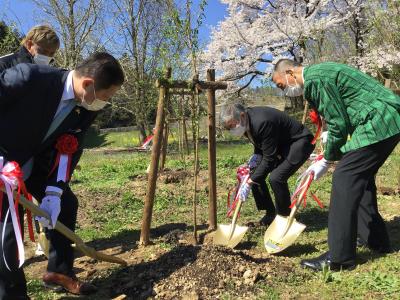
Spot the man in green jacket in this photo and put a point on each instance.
(363, 119)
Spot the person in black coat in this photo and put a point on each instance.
(281, 146)
(40, 108)
(39, 46)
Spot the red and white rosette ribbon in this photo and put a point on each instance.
(11, 178)
(315, 119)
(242, 175)
(67, 144)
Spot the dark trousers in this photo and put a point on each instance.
(353, 207)
(278, 180)
(61, 255)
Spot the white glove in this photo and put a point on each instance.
(319, 168)
(52, 205)
(324, 137)
(244, 192)
(254, 161)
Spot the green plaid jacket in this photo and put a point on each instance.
(358, 110)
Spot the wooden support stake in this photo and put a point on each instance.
(196, 128)
(199, 85)
(303, 121)
(212, 157)
(166, 131)
(155, 156)
(181, 92)
(164, 146)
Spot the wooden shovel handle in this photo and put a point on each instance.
(79, 243)
(297, 205)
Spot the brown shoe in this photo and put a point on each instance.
(59, 282)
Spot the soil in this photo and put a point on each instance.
(173, 267)
(169, 176)
(182, 271)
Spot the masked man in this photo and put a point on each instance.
(39, 47)
(363, 120)
(44, 114)
(281, 146)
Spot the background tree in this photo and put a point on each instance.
(257, 32)
(137, 31)
(78, 24)
(382, 44)
(10, 38)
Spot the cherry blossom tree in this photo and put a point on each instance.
(382, 44)
(257, 32)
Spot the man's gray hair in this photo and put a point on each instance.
(285, 64)
(231, 111)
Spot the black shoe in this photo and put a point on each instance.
(267, 220)
(324, 261)
(379, 249)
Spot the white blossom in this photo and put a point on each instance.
(256, 32)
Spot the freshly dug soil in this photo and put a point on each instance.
(199, 272)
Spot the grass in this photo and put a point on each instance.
(131, 138)
(111, 189)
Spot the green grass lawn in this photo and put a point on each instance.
(111, 189)
(131, 138)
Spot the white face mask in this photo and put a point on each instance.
(293, 90)
(41, 59)
(96, 105)
(239, 130)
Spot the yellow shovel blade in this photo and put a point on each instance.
(279, 236)
(225, 237)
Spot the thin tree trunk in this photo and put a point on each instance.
(185, 136)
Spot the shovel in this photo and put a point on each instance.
(79, 243)
(230, 235)
(42, 239)
(284, 231)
